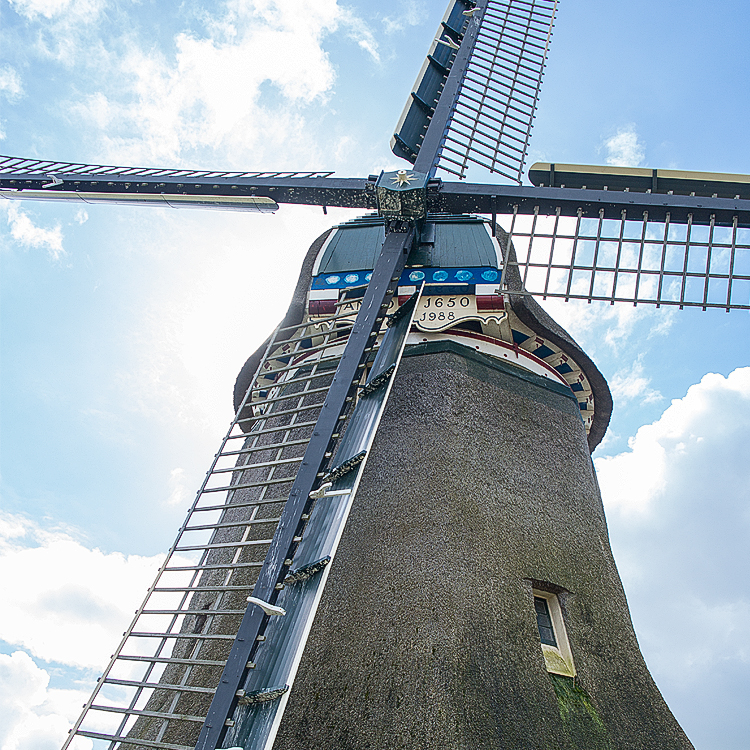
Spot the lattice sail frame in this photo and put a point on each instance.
(15, 165)
(160, 682)
(636, 260)
(494, 113)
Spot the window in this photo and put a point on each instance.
(544, 621)
(557, 655)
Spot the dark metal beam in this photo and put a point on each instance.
(434, 138)
(318, 191)
(473, 198)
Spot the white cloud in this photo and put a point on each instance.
(693, 438)
(410, 14)
(631, 384)
(33, 716)
(81, 216)
(63, 602)
(80, 10)
(26, 233)
(598, 324)
(678, 510)
(212, 91)
(206, 312)
(177, 486)
(10, 83)
(64, 30)
(624, 149)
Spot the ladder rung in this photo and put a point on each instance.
(230, 506)
(170, 660)
(200, 636)
(252, 433)
(333, 359)
(302, 354)
(310, 324)
(199, 589)
(132, 741)
(287, 480)
(298, 379)
(222, 545)
(265, 464)
(298, 394)
(194, 611)
(283, 413)
(227, 566)
(257, 448)
(254, 522)
(159, 685)
(155, 714)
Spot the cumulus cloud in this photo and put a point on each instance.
(678, 506)
(211, 91)
(64, 30)
(33, 716)
(26, 233)
(684, 442)
(624, 149)
(63, 602)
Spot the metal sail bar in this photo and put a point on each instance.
(422, 124)
(641, 180)
(33, 179)
(264, 694)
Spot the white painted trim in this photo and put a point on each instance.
(495, 348)
(324, 294)
(319, 257)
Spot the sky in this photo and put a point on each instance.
(123, 328)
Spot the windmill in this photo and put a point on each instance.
(484, 202)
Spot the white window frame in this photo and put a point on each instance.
(558, 659)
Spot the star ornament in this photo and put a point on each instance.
(402, 178)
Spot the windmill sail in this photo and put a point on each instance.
(162, 678)
(632, 259)
(256, 527)
(639, 236)
(497, 69)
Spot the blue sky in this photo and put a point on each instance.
(123, 328)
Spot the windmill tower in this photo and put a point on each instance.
(472, 592)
